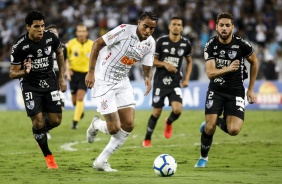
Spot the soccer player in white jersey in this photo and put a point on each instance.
(111, 58)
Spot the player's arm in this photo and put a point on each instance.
(252, 59)
(147, 75)
(61, 65)
(162, 64)
(17, 72)
(213, 72)
(96, 47)
(188, 71)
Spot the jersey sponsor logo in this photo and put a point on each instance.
(183, 45)
(180, 52)
(232, 54)
(209, 103)
(30, 104)
(235, 47)
(25, 47)
(40, 63)
(47, 50)
(165, 43)
(167, 80)
(246, 42)
(127, 61)
(48, 40)
(115, 35)
(222, 63)
(39, 53)
(172, 60)
(219, 80)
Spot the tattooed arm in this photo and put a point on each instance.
(147, 75)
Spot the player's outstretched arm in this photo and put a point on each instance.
(16, 72)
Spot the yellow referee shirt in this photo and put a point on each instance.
(79, 54)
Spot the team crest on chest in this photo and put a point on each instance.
(47, 50)
(232, 54)
(180, 52)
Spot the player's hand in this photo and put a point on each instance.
(184, 84)
(27, 66)
(148, 86)
(234, 66)
(63, 85)
(89, 79)
(169, 67)
(251, 96)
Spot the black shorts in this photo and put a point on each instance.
(218, 102)
(36, 102)
(159, 95)
(77, 82)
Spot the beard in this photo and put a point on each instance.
(224, 37)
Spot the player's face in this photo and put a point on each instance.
(175, 26)
(146, 28)
(224, 28)
(54, 31)
(35, 31)
(81, 33)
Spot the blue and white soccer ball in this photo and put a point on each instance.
(165, 165)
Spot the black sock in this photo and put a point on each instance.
(74, 124)
(206, 142)
(41, 138)
(150, 127)
(172, 117)
(221, 123)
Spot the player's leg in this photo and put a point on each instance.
(79, 97)
(213, 107)
(175, 99)
(159, 96)
(152, 122)
(234, 111)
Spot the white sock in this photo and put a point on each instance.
(115, 142)
(101, 125)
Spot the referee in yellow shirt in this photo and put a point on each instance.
(78, 52)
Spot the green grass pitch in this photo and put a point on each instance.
(254, 156)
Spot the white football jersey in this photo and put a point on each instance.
(123, 48)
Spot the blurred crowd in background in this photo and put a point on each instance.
(258, 21)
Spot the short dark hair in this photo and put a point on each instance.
(51, 26)
(33, 15)
(151, 15)
(175, 17)
(225, 15)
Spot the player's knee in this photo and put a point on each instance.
(113, 130)
(233, 131)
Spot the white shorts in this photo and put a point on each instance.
(113, 96)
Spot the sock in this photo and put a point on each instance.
(101, 125)
(79, 107)
(172, 117)
(74, 124)
(41, 138)
(115, 142)
(150, 127)
(221, 123)
(206, 142)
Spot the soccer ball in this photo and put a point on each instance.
(165, 165)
